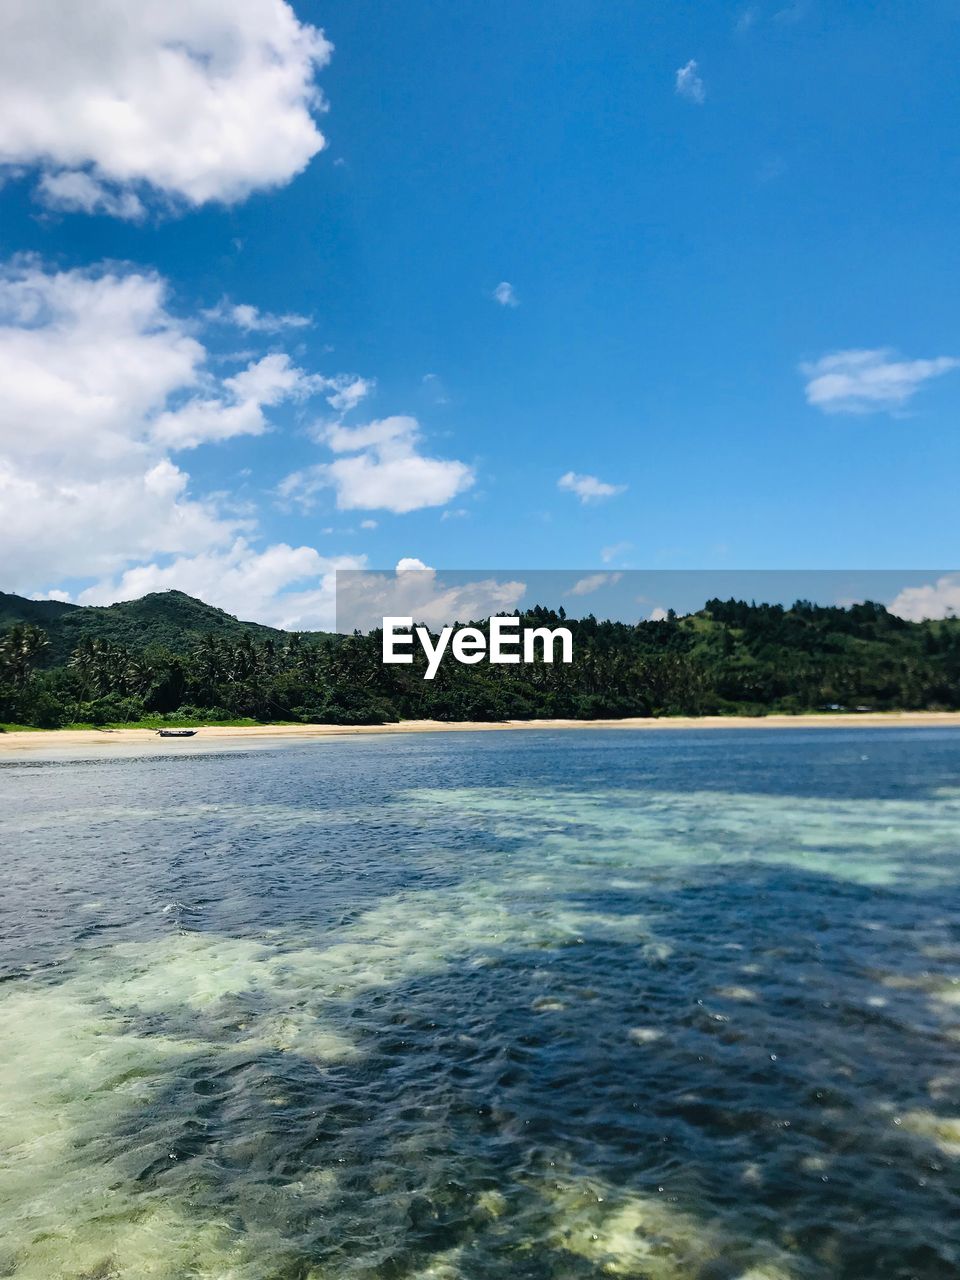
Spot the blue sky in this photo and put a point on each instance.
(730, 321)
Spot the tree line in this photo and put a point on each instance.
(731, 657)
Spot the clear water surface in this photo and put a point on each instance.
(652, 1005)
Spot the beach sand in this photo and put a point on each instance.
(221, 735)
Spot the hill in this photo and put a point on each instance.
(166, 619)
(154, 657)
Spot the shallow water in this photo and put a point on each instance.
(540, 1005)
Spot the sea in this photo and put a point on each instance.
(547, 1005)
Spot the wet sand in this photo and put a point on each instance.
(223, 735)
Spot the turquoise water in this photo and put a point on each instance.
(531, 1005)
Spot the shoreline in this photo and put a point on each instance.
(56, 739)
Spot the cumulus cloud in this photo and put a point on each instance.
(100, 383)
(103, 387)
(75, 191)
(95, 368)
(867, 381)
(940, 599)
(197, 100)
(347, 391)
(688, 83)
(506, 295)
(589, 488)
(283, 586)
(86, 361)
(57, 526)
(593, 582)
(381, 467)
(238, 407)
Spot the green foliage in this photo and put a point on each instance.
(730, 658)
(348, 706)
(113, 708)
(165, 619)
(45, 710)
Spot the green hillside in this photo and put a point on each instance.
(41, 613)
(168, 655)
(167, 619)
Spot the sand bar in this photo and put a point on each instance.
(69, 740)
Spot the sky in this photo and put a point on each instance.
(292, 288)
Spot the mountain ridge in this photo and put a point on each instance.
(169, 619)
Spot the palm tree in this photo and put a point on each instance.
(209, 668)
(135, 676)
(20, 650)
(88, 660)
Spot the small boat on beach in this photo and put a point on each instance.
(176, 733)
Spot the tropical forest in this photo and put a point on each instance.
(168, 658)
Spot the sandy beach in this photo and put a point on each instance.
(222, 735)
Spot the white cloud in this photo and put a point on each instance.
(370, 482)
(658, 615)
(347, 391)
(102, 386)
(77, 192)
(689, 85)
(506, 295)
(86, 360)
(99, 384)
(589, 488)
(940, 599)
(415, 590)
(593, 582)
(57, 526)
(368, 524)
(94, 367)
(252, 320)
(865, 381)
(383, 470)
(198, 100)
(383, 433)
(238, 408)
(283, 586)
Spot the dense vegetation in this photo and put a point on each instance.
(168, 657)
(161, 620)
